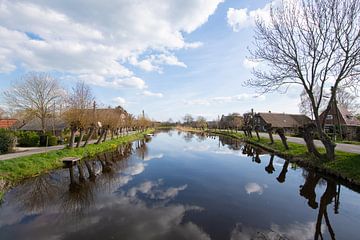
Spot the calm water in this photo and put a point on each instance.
(182, 186)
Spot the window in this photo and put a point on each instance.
(329, 117)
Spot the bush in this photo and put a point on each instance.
(48, 140)
(28, 139)
(53, 141)
(6, 141)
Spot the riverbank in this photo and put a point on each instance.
(15, 170)
(345, 167)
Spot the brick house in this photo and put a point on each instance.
(340, 116)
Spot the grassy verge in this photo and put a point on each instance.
(15, 170)
(345, 166)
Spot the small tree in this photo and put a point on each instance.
(188, 119)
(310, 43)
(36, 94)
(201, 122)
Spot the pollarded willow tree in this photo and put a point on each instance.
(314, 44)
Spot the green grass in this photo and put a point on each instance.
(346, 164)
(15, 170)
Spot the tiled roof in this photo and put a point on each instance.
(7, 123)
(348, 117)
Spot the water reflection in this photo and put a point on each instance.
(132, 194)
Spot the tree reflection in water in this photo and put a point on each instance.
(307, 190)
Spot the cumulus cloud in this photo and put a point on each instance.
(243, 17)
(119, 101)
(225, 99)
(152, 94)
(94, 40)
(254, 188)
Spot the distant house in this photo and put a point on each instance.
(8, 123)
(232, 121)
(213, 124)
(289, 122)
(54, 125)
(339, 115)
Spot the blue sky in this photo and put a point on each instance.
(167, 57)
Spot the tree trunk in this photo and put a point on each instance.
(80, 138)
(257, 132)
(105, 135)
(309, 139)
(269, 131)
(101, 136)
(325, 139)
(89, 136)
(281, 133)
(72, 138)
(329, 147)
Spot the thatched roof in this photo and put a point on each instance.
(283, 120)
(56, 124)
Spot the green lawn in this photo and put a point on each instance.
(14, 170)
(345, 164)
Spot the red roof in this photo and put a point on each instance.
(7, 123)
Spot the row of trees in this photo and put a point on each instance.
(39, 95)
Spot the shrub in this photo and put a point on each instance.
(48, 140)
(28, 139)
(53, 141)
(6, 141)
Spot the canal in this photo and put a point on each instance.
(179, 185)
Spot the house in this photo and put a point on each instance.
(341, 116)
(54, 125)
(289, 122)
(231, 121)
(8, 123)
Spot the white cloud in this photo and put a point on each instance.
(243, 17)
(152, 94)
(225, 99)
(254, 188)
(97, 38)
(119, 101)
(238, 18)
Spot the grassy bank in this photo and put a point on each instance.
(346, 165)
(15, 170)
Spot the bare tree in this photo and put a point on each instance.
(310, 43)
(201, 122)
(2, 113)
(188, 119)
(36, 94)
(79, 114)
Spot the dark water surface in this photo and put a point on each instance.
(182, 186)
